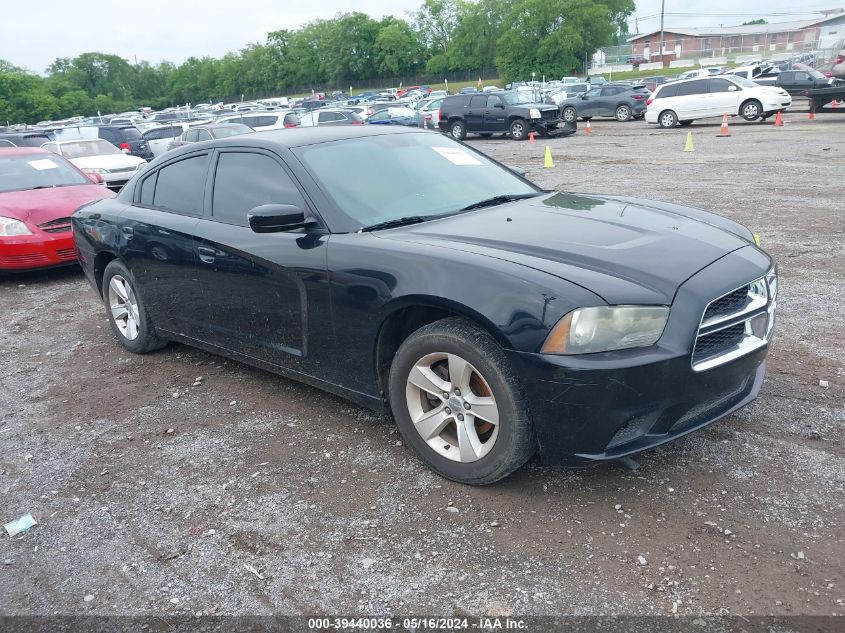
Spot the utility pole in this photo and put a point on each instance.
(662, 9)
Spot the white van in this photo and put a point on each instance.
(681, 102)
(263, 120)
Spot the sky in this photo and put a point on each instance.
(155, 30)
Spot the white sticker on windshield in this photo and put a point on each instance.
(42, 164)
(457, 155)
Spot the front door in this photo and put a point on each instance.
(721, 98)
(265, 293)
(589, 102)
(495, 119)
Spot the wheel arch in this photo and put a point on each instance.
(407, 315)
(101, 260)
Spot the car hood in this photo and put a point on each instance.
(623, 251)
(37, 206)
(108, 161)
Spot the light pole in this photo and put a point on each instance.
(662, 9)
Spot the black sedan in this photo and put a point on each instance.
(406, 271)
(623, 101)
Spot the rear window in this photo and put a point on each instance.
(130, 132)
(667, 90)
(33, 140)
(162, 133)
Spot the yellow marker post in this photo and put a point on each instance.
(688, 147)
(757, 239)
(547, 163)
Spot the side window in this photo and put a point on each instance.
(692, 88)
(720, 85)
(609, 91)
(478, 101)
(203, 135)
(492, 100)
(148, 187)
(181, 185)
(802, 76)
(330, 116)
(244, 181)
(595, 92)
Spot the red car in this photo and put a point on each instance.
(38, 192)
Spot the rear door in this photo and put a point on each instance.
(157, 233)
(691, 100)
(262, 290)
(474, 115)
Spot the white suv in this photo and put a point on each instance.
(681, 102)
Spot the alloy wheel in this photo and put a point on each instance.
(124, 307)
(452, 407)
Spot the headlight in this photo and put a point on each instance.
(534, 113)
(95, 170)
(606, 328)
(10, 227)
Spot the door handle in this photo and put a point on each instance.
(206, 254)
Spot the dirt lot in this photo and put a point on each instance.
(148, 502)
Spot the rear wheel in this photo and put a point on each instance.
(457, 402)
(751, 110)
(519, 129)
(569, 114)
(127, 316)
(623, 113)
(667, 119)
(458, 130)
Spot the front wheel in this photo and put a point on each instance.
(623, 113)
(127, 315)
(569, 114)
(519, 129)
(751, 110)
(458, 403)
(458, 130)
(667, 119)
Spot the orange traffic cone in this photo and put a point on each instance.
(778, 120)
(723, 131)
(812, 115)
(531, 137)
(588, 129)
(834, 104)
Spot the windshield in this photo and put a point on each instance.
(742, 81)
(375, 179)
(18, 173)
(515, 98)
(230, 130)
(80, 149)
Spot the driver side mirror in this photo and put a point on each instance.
(731, 88)
(276, 218)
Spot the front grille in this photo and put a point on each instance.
(736, 324)
(549, 114)
(631, 430)
(32, 258)
(56, 226)
(121, 170)
(712, 407)
(729, 304)
(709, 345)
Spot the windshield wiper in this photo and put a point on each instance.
(389, 224)
(497, 200)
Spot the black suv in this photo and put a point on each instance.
(622, 101)
(513, 113)
(127, 138)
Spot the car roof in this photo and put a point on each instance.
(18, 151)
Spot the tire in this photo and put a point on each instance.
(569, 114)
(135, 331)
(751, 110)
(623, 113)
(518, 130)
(685, 123)
(667, 119)
(481, 452)
(458, 130)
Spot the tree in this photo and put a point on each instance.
(757, 21)
(435, 22)
(397, 48)
(552, 37)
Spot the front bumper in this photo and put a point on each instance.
(40, 250)
(586, 411)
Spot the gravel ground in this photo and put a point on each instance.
(251, 494)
